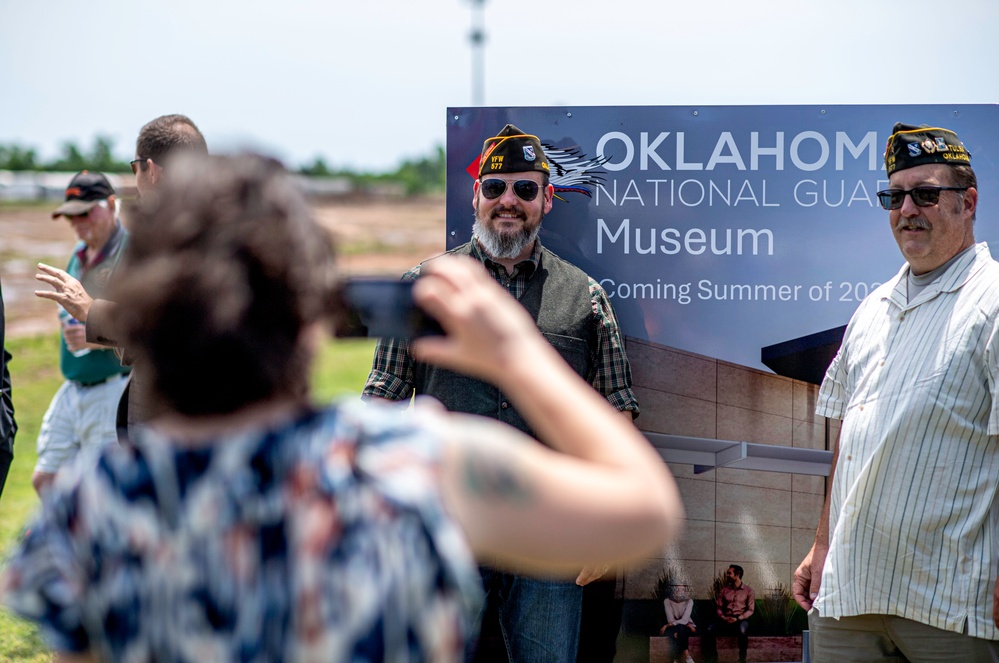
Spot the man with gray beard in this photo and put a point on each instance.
(539, 617)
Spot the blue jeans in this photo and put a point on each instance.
(538, 618)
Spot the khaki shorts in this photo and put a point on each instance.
(78, 418)
(870, 638)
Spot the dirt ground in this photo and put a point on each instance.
(375, 237)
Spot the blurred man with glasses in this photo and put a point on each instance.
(81, 416)
(159, 141)
(904, 565)
(539, 618)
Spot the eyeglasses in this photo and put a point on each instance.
(922, 196)
(526, 190)
(137, 164)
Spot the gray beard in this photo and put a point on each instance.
(504, 246)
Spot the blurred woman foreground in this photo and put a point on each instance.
(246, 524)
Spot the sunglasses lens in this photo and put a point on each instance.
(891, 199)
(526, 190)
(492, 189)
(925, 196)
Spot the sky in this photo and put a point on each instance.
(366, 84)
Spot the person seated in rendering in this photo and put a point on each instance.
(734, 605)
(679, 626)
(246, 523)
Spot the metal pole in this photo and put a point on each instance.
(478, 37)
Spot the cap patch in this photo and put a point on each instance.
(911, 146)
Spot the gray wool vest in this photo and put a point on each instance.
(557, 296)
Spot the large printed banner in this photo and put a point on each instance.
(722, 230)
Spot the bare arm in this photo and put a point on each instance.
(808, 575)
(592, 572)
(523, 505)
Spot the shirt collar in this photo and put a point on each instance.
(109, 247)
(956, 275)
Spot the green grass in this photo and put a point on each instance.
(340, 372)
(25, 204)
(342, 368)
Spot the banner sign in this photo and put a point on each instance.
(722, 230)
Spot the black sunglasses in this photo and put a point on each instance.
(137, 164)
(526, 190)
(922, 196)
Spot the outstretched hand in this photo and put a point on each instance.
(67, 291)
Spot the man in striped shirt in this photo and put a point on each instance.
(904, 563)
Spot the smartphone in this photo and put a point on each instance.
(382, 308)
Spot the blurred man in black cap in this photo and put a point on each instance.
(905, 563)
(159, 140)
(81, 415)
(539, 618)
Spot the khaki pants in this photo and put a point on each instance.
(870, 638)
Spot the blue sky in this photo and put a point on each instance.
(365, 84)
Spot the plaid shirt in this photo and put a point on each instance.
(391, 374)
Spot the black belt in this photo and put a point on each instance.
(94, 384)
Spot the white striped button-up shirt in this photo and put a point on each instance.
(913, 516)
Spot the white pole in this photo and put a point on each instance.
(478, 37)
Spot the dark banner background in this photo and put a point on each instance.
(724, 229)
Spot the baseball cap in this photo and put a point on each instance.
(85, 190)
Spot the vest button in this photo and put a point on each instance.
(504, 405)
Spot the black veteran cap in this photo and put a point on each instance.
(85, 190)
(911, 146)
(512, 151)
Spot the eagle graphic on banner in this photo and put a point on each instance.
(571, 171)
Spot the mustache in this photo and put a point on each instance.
(508, 210)
(915, 223)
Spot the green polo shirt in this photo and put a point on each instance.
(96, 365)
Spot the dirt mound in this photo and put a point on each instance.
(374, 236)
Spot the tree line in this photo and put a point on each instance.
(417, 176)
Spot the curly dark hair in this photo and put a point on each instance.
(222, 274)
